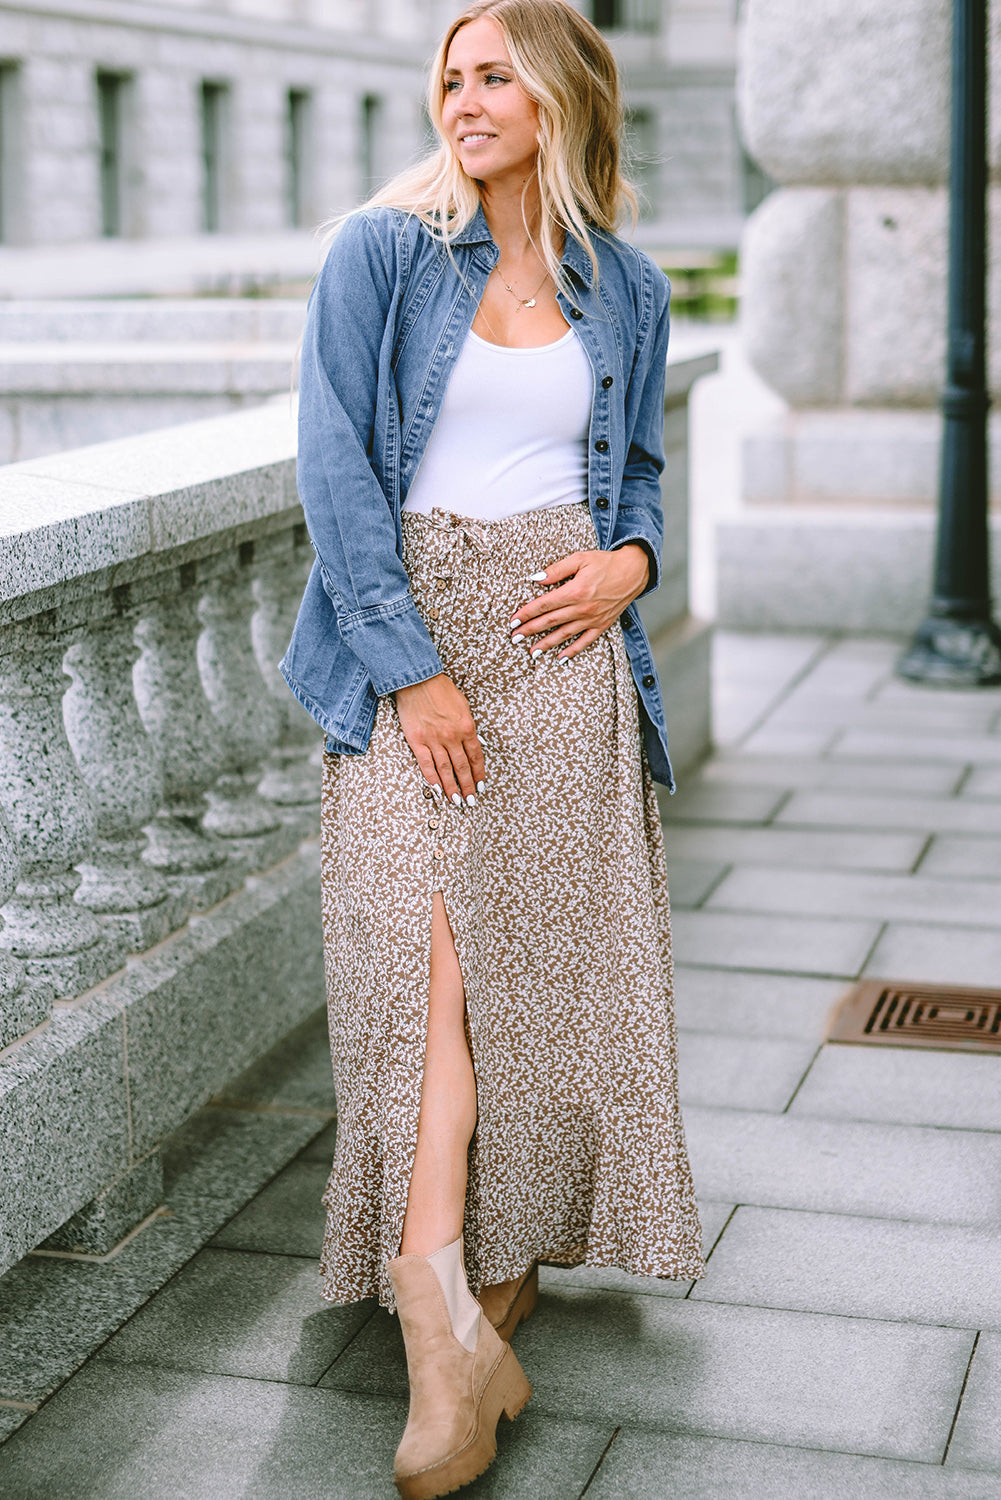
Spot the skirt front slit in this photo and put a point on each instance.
(556, 893)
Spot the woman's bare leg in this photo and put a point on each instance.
(437, 1198)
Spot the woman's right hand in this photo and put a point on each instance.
(438, 726)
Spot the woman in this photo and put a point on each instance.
(481, 417)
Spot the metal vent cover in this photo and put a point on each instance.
(895, 1013)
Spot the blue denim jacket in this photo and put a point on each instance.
(387, 319)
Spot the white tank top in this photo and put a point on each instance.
(511, 435)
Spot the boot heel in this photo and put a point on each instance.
(513, 1391)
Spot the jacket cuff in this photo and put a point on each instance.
(653, 557)
(393, 643)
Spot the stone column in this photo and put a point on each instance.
(845, 104)
(292, 776)
(51, 817)
(177, 716)
(246, 720)
(123, 774)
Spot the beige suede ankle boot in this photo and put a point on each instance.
(456, 1398)
(508, 1303)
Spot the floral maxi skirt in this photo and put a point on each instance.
(555, 889)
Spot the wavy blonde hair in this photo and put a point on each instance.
(566, 67)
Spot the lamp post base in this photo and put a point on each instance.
(953, 653)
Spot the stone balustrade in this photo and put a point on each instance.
(159, 788)
(159, 785)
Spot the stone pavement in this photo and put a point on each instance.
(846, 1341)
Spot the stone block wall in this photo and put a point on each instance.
(846, 104)
(163, 54)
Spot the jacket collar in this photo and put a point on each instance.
(575, 258)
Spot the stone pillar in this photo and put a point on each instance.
(177, 716)
(51, 817)
(292, 776)
(245, 718)
(123, 774)
(845, 103)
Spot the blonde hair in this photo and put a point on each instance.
(566, 67)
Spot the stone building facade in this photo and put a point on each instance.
(169, 118)
(846, 104)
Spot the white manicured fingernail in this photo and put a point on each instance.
(470, 800)
(537, 652)
(536, 577)
(457, 799)
(517, 638)
(481, 787)
(515, 624)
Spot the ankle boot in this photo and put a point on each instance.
(508, 1303)
(456, 1398)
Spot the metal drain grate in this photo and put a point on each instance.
(894, 1013)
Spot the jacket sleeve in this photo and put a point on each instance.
(348, 337)
(640, 515)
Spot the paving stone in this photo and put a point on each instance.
(857, 1267)
(886, 1171)
(736, 1372)
(606, 1278)
(797, 945)
(807, 772)
(691, 880)
(287, 1218)
(903, 1087)
(296, 1072)
(230, 1312)
(924, 814)
(775, 1005)
(774, 740)
(11, 1418)
(54, 1312)
(225, 1156)
(907, 898)
(750, 673)
(976, 1441)
(116, 1432)
(652, 1465)
(724, 804)
(983, 781)
(322, 1148)
(740, 1072)
(937, 954)
(810, 705)
(947, 855)
(976, 749)
(792, 846)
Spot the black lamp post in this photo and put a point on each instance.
(958, 644)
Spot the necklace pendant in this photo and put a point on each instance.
(529, 303)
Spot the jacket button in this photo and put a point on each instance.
(649, 680)
(575, 312)
(602, 502)
(601, 446)
(607, 382)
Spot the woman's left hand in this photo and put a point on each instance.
(594, 589)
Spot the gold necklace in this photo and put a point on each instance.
(524, 301)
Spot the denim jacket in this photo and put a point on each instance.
(387, 319)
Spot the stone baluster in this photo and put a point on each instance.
(24, 1003)
(123, 774)
(51, 817)
(292, 776)
(177, 716)
(246, 719)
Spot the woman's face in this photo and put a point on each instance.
(488, 118)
